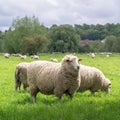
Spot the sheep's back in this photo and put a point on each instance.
(90, 77)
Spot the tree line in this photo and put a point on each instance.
(28, 35)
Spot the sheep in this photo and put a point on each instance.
(6, 55)
(23, 56)
(53, 60)
(93, 55)
(93, 79)
(21, 75)
(54, 78)
(35, 56)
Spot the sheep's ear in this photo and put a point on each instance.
(80, 59)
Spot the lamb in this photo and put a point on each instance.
(93, 79)
(54, 78)
(21, 75)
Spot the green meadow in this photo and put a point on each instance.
(17, 105)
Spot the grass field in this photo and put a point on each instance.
(19, 106)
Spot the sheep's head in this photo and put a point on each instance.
(107, 85)
(71, 62)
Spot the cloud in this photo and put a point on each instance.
(60, 12)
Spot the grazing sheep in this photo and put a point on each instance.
(54, 78)
(93, 55)
(35, 56)
(23, 56)
(93, 79)
(53, 60)
(21, 75)
(6, 55)
(16, 55)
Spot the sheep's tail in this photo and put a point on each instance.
(17, 79)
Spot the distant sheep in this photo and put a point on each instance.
(53, 60)
(93, 79)
(6, 55)
(21, 75)
(93, 55)
(23, 56)
(16, 55)
(35, 56)
(54, 78)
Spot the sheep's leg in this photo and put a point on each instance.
(33, 93)
(69, 94)
(17, 85)
(25, 87)
(92, 92)
(58, 93)
(72, 90)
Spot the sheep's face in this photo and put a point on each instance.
(107, 86)
(72, 62)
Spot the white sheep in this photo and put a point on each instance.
(53, 60)
(35, 56)
(54, 78)
(93, 79)
(6, 55)
(93, 55)
(23, 56)
(21, 75)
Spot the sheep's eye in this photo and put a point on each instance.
(68, 60)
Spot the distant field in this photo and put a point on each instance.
(18, 105)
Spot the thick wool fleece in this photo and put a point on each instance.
(93, 79)
(53, 78)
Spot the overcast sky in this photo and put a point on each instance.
(59, 12)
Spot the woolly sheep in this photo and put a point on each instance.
(35, 56)
(54, 78)
(21, 75)
(6, 55)
(93, 79)
(93, 55)
(23, 56)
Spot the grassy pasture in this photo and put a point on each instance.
(18, 105)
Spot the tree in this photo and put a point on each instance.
(110, 40)
(33, 45)
(63, 39)
(96, 46)
(2, 37)
(21, 28)
(116, 45)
